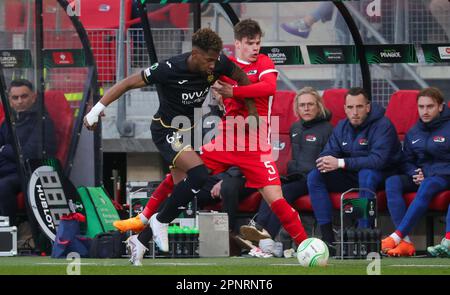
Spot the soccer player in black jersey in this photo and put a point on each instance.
(185, 81)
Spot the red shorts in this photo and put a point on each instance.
(258, 167)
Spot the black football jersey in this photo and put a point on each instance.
(182, 90)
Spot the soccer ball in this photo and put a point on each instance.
(312, 252)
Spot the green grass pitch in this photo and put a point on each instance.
(221, 266)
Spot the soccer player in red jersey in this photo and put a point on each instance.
(243, 140)
(249, 149)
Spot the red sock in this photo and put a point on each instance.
(159, 195)
(399, 234)
(447, 235)
(290, 220)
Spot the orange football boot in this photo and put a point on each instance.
(403, 249)
(387, 244)
(134, 224)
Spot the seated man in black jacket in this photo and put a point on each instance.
(25, 114)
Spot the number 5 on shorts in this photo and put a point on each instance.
(270, 168)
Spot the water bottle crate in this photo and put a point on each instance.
(357, 250)
(177, 249)
(357, 243)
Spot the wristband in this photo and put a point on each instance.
(92, 116)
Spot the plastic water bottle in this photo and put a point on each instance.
(351, 243)
(377, 244)
(358, 242)
(178, 241)
(195, 248)
(372, 241)
(171, 232)
(186, 238)
(364, 242)
(339, 247)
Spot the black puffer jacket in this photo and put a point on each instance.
(308, 140)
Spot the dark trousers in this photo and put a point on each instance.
(9, 188)
(406, 218)
(319, 184)
(232, 191)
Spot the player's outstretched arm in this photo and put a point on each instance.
(134, 81)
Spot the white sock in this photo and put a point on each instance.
(407, 239)
(143, 218)
(396, 238)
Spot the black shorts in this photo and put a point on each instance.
(172, 141)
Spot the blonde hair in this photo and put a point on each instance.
(319, 100)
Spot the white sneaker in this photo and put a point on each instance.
(160, 233)
(258, 253)
(136, 250)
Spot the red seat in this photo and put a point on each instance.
(251, 203)
(2, 113)
(402, 111)
(62, 115)
(439, 203)
(281, 152)
(101, 14)
(304, 202)
(334, 100)
(282, 109)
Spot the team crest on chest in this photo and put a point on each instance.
(210, 78)
(363, 141)
(439, 139)
(310, 138)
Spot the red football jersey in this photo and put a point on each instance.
(235, 107)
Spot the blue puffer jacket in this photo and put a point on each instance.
(372, 145)
(427, 146)
(29, 134)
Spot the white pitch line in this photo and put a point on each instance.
(418, 265)
(285, 264)
(182, 264)
(66, 263)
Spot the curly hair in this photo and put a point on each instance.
(247, 28)
(206, 39)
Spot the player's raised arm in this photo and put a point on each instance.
(226, 90)
(116, 91)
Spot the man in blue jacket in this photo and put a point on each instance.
(362, 151)
(425, 168)
(25, 114)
